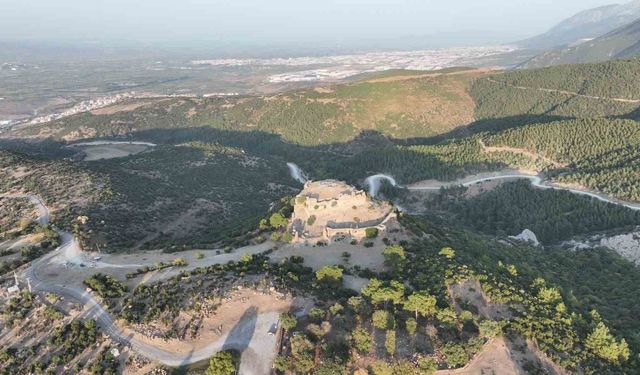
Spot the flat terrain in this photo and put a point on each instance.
(111, 151)
(317, 257)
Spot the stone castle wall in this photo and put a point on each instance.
(330, 209)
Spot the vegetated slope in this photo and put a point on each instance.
(191, 195)
(585, 25)
(551, 214)
(62, 185)
(600, 154)
(420, 106)
(562, 92)
(42, 337)
(623, 42)
(596, 279)
(581, 116)
(187, 195)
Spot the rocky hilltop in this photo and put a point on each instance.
(333, 210)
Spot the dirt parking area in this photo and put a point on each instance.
(319, 256)
(245, 321)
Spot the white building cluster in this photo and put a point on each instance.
(90, 105)
(343, 66)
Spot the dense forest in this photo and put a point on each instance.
(191, 195)
(612, 79)
(551, 214)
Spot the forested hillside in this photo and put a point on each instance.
(396, 104)
(613, 79)
(564, 92)
(551, 214)
(597, 283)
(622, 42)
(559, 120)
(583, 117)
(191, 195)
(601, 154)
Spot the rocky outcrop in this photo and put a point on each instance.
(527, 236)
(627, 245)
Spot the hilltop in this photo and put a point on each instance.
(334, 211)
(204, 235)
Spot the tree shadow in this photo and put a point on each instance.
(241, 334)
(525, 360)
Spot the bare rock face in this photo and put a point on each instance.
(627, 245)
(527, 236)
(329, 209)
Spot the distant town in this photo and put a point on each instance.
(105, 101)
(330, 68)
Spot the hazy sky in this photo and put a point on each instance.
(278, 21)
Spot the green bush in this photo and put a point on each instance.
(371, 232)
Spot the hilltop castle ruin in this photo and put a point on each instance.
(333, 210)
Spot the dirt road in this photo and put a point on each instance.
(568, 93)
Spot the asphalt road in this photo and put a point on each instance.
(374, 182)
(248, 336)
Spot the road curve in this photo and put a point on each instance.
(93, 309)
(373, 182)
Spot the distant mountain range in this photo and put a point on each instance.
(623, 42)
(584, 26)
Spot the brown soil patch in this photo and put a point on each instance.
(221, 320)
(502, 356)
(470, 292)
(480, 71)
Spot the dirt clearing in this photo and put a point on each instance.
(319, 256)
(502, 356)
(100, 152)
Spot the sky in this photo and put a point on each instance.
(279, 21)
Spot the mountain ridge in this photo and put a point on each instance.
(585, 25)
(623, 42)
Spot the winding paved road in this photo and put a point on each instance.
(250, 337)
(374, 185)
(70, 249)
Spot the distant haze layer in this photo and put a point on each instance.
(283, 22)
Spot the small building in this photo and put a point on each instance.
(13, 289)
